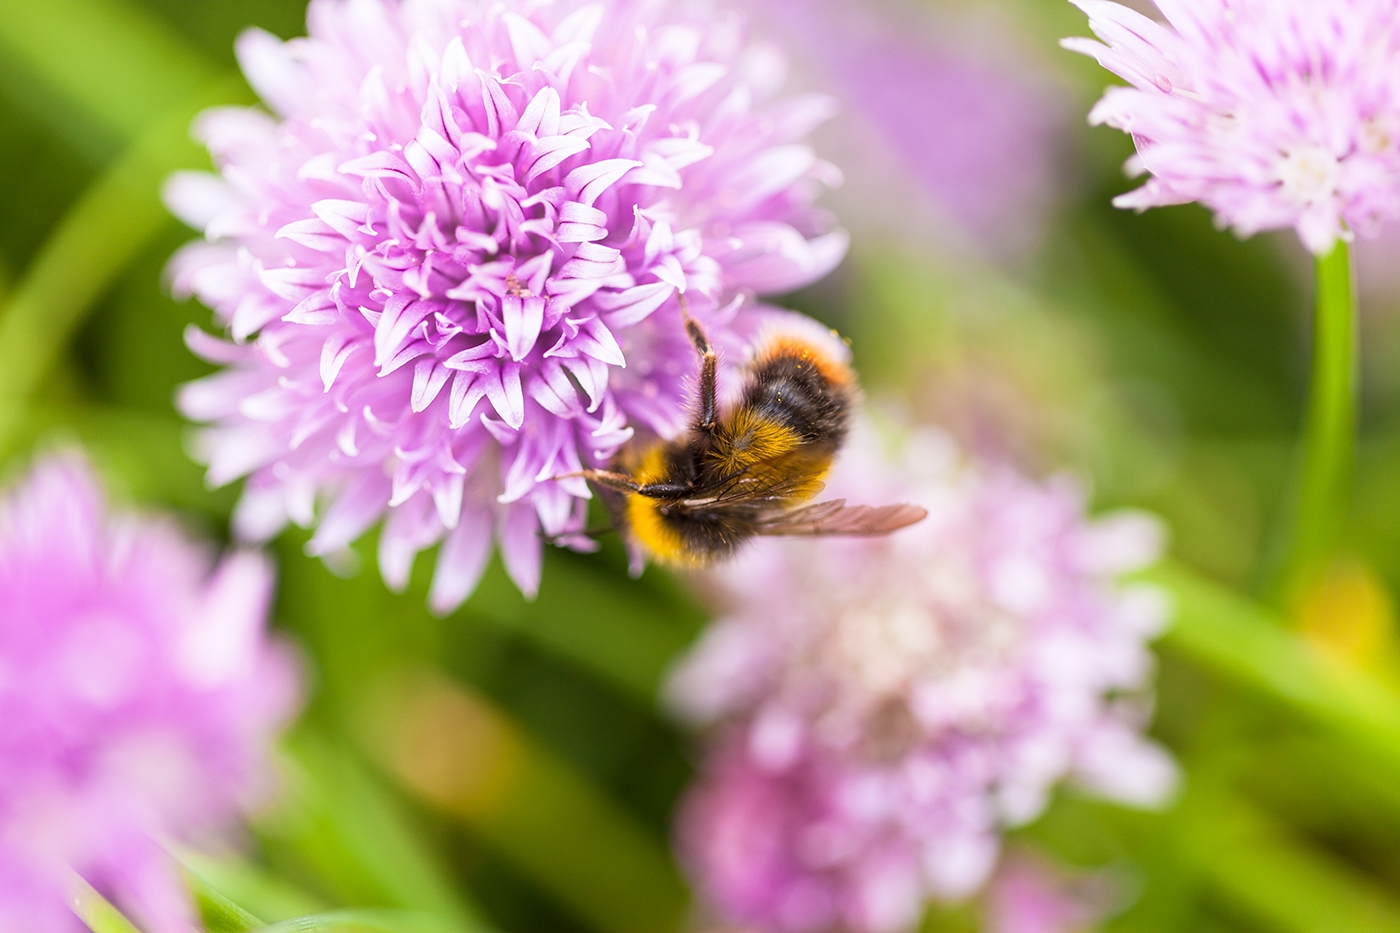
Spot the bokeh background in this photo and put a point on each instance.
(526, 783)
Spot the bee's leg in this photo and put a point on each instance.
(708, 365)
(618, 481)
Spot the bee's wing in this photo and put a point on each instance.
(835, 517)
(771, 489)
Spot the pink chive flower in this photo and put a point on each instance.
(138, 696)
(1272, 113)
(451, 262)
(881, 708)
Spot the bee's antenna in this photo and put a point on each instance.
(708, 364)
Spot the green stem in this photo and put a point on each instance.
(1329, 438)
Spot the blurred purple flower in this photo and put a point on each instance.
(965, 123)
(460, 253)
(138, 697)
(882, 707)
(1272, 113)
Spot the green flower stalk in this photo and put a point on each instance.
(1273, 115)
(1324, 486)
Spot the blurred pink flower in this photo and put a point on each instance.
(456, 258)
(138, 697)
(1377, 276)
(1028, 896)
(1272, 113)
(881, 708)
(973, 127)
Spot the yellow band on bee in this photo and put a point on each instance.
(752, 439)
(651, 530)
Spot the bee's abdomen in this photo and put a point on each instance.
(794, 394)
(795, 387)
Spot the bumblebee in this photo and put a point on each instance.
(749, 471)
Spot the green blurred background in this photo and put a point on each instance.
(508, 767)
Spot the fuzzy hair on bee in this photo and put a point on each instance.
(749, 470)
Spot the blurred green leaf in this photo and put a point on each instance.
(1216, 853)
(1247, 644)
(1298, 777)
(45, 175)
(358, 630)
(94, 910)
(101, 234)
(1282, 882)
(122, 67)
(222, 916)
(141, 455)
(1217, 849)
(1051, 382)
(129, 74)
(131, 351)
(1004, 369)
(622, 631)
(456, 751)
(352, 835)
(1172, 300)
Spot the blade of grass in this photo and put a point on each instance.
(250, 886)
(218, 913)
(94, 910)
(365, 921)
